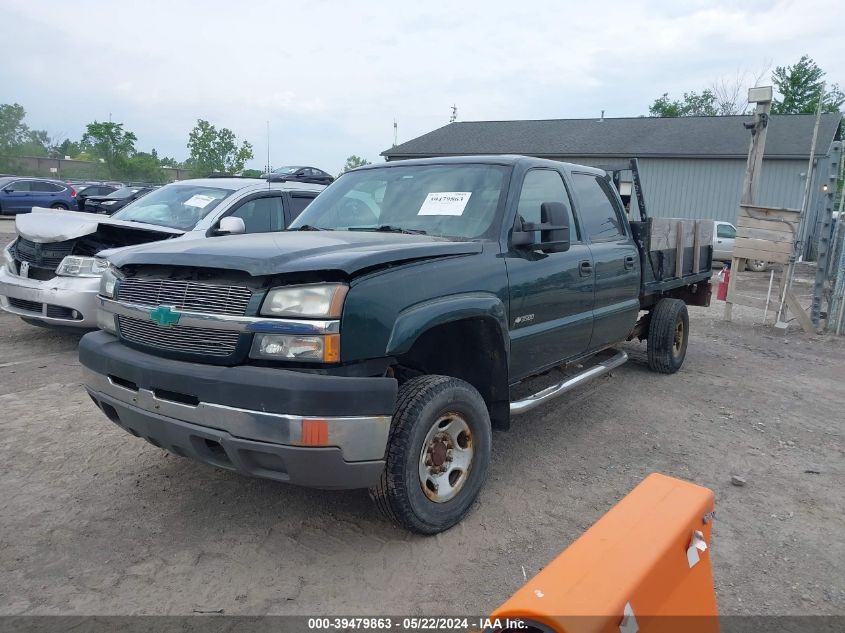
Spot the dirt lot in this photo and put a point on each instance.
(94, 521)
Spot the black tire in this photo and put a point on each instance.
(756, 265)
(668, 335)
(422, 403)
(59, 205)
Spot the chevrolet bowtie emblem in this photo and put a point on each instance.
(165, 316)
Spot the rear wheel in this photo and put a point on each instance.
(59, 205)
(438, 454)
(668, 334)
(756, 265)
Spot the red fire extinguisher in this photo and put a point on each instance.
(724, 279)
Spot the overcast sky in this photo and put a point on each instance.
(331, 77)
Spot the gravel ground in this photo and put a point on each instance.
(94, 521)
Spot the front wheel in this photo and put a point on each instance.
(438, 454)
(756, 265)
(668, 335)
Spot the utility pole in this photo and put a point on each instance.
(762, 96)
(454, 116)
(395, 132)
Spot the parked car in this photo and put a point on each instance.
(375, 345)
(116, 200)
(90, 190)
(52, 270)
(724, 238)
(299, 174)
(19, 195)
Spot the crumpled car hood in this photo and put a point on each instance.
(54, 225)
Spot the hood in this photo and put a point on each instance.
(53, 225)
(296, 251)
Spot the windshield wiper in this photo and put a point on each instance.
(307, 227)
(387, 228)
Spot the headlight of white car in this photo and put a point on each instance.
(108, 280)
(307, 301)
(74, 266)
(9, 260)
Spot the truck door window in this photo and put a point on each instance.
(539, 186)
(261, 215)
(725, 231)
(599, 215)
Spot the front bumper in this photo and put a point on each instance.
(307, 429)
(53, 301)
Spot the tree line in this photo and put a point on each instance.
(798, 89)
(111, 150)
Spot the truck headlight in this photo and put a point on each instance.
(108, 280)
(73, 266)
(296, 347)
(9, 260)
(311, 301)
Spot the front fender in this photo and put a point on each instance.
(417, 319)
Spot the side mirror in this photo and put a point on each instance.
(231, 226)
(553, 227)
(8, 190)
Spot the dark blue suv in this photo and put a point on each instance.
(19, 195)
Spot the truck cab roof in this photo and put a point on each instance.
(514, 160)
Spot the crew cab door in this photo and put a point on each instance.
(551, 294)
(615, 259)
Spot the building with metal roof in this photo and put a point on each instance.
(691, 167)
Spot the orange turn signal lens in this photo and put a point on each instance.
(331, 348)
(315, 433)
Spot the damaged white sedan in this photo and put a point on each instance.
(51, 273)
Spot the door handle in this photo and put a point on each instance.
(629, 262)
(585, 268)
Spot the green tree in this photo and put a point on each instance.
(110, 142)
(692, 104)
(65, 148)
(352, 162)
(252, 173)
(36, 143)
(13, 131)
(144, 167)
(216, 151)
(799, 88)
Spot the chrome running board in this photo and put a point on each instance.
(541, 397)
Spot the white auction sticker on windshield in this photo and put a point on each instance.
(445, 203)
(199, 200)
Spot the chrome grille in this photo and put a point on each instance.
(178, 338)
(188, 296)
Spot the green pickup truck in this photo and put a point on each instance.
(378, 341)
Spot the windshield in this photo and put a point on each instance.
(443, 200)
(178, 206)
(123, 192)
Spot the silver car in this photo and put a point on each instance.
(724, 240)
(51, 272)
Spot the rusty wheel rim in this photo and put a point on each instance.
(446, 458)
(678, 343)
